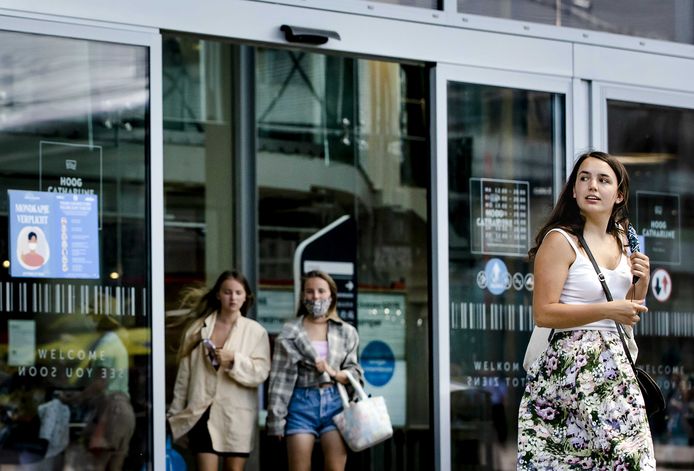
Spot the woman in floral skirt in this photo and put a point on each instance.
(582, 407)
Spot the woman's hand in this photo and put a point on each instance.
(225, 358)
(626, 312)
(341, 377)
(323, 367)
(640, 266)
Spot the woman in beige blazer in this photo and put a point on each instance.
(224, 356)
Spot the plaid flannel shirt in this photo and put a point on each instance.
(293, 364)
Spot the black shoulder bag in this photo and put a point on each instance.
(652, 395)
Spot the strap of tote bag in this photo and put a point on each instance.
(358, 389)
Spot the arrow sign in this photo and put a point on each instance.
(661, 285)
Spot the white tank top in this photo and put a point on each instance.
(582, 285)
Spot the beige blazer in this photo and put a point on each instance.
(231, 395)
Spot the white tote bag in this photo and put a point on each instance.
(631, 341)
(363, 423)
(539, 341)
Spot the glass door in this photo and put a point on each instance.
(502, 148)
(344, 137)
(76, 283)
(337, 137)
(650, 132)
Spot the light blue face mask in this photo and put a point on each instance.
(318, 307)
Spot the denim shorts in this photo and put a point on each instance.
(311, 410)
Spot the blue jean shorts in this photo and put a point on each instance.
(311, 410)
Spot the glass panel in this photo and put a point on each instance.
(669, 20)
(655, 144)
(197, 162)
(75, 284)
(339, 136)
(503, 145)
(198, 189)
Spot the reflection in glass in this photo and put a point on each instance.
(73, 121)
(656, 145)
(502, 149)
(669, 20)
(198, 190)
(340, 136)
(197, 162)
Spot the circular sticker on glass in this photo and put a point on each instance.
(529, 282)
(661, 285)
(518, 281)
(482, 280)
(378, 362)
(498, 277)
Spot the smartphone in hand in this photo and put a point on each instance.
(211, 352)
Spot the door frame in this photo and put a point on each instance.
(441, 75)
(604, 91)
(151, 39)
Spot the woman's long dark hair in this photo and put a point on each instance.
(333, 291)
(567, 215)
(203, 302)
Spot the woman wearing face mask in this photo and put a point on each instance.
(311, 353)
(32, 257)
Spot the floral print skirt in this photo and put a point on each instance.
(582, 408)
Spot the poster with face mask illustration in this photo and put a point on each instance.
(53, 235)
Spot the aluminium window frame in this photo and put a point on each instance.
(602, 92)
(441, 76)
(449, 16)
(487, 46)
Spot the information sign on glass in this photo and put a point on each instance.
(658, 222)
(53, 235)
(500, 216)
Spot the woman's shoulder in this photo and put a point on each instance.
(559, 244)
(347, 329)
(561, 236)
(561, 232)
(291, 328)
(253, 325)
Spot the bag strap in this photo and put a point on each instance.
(343, 395)
(608, 295)
(358, 389)
(361, 394)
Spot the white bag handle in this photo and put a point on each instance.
(357, 387)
